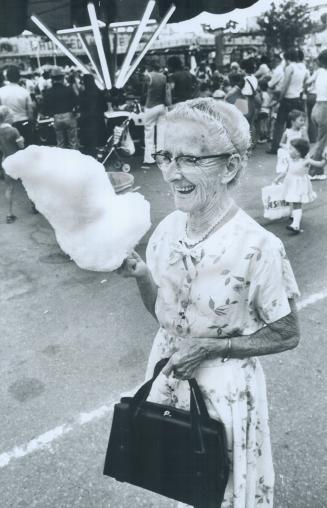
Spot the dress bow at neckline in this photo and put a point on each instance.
(190, 257)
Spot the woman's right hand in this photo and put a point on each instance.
(133, 266)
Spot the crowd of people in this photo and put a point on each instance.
(275, 95)
(265, 90)
(72, 100)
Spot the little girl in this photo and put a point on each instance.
(10, 142)
(296, 131)
(297, 184)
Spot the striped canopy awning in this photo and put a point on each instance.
(60, 14)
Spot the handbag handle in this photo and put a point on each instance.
(198, 409)
(199, 416)
(197, 405)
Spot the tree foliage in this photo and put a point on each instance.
(286, 24)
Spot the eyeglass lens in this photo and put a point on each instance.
(164, 160)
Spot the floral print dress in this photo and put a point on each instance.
(231, 284)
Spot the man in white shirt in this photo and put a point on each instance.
(19, 101)
(291, 90)
(248, 91)
(319, 116)
(277, 74)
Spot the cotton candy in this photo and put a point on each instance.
(94, 226)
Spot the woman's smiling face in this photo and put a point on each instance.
(193, 189)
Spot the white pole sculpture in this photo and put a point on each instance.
(125, 72)
(99, 45)
(148, 45)
(139, 31)
(90, 57)
(77, 29)
(62, 47)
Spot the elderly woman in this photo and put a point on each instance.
(221, 288)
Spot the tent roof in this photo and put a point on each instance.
(58, 14)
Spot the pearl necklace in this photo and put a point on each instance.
(210, 230)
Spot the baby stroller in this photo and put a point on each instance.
(120, 139)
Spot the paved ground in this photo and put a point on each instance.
(72, 341)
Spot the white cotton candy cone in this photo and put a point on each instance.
(93, 225)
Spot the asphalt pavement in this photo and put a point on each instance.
(72, 341)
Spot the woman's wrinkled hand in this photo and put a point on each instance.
(186, 359)
(133, 266)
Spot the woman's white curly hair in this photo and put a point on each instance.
(225, 123)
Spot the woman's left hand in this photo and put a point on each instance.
(187, 358)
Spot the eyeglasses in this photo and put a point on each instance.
(163, 160)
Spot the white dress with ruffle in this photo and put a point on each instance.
(231, 284)
(297, 184)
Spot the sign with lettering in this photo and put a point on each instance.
(32, 45)
(274, 204)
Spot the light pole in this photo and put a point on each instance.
(36, 46)
(219, 44)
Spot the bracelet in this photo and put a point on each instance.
(228, 351)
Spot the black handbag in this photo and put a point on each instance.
(176, 453)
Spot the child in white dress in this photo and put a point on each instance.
(296, 131)
(297, 184)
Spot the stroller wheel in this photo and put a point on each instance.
(126, 168)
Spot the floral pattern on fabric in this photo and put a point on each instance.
(233, 283)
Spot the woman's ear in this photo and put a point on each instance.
(231, 169)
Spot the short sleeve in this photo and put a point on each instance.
(160, 243)
(152, 254)
(272, 282)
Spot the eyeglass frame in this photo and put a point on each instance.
(194, 157)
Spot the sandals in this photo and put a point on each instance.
(10, 219)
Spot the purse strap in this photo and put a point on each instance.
(199, 416)
(197, 405)
(252, 87)
(198, 410)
